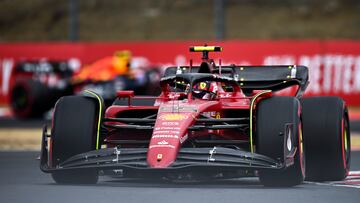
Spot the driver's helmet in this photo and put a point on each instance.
(206, 89)
(122, 61)
(124, 54)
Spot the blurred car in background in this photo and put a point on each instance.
(38, 84)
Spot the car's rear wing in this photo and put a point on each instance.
(40, 66)
(271, 77)
(257, 77)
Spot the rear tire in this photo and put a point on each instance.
(28, 99)
(273, 115)
(31, 98)
(326, 138)
(74, 132)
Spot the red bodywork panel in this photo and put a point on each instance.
(174, 117)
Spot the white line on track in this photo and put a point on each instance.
(352, 180)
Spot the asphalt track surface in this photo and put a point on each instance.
(22, 181)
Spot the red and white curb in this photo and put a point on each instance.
(352, 180)
(354, 115)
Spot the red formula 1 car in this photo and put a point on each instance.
(209, 122)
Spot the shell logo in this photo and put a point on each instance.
(173, 117)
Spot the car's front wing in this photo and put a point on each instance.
(188, 158)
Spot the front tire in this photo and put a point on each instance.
(74, 132)
(273, 117)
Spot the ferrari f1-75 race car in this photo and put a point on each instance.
(210, 121)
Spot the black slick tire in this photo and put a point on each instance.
(273, 115)
(29, 99)
(326, 138)
(74, 132)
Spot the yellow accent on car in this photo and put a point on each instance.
(345, 140)
(99, 120)
(251, 116)
(301, 140)
(173, 117)
(205, 48)
(218, 116)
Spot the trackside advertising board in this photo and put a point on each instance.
(334, 64)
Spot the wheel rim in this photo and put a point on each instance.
(345, 143)
(20, 98)
(301, 153)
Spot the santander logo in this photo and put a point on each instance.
(173, 117)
